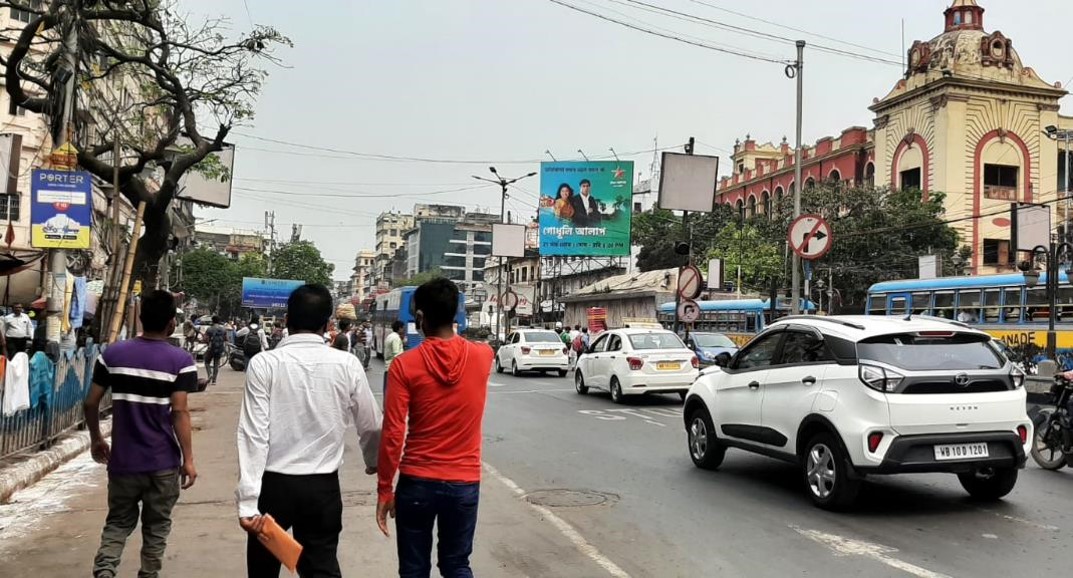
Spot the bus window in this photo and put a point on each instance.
(898, 306)
(877, 305)
(1036, 305)
(922, 303)
(1065, 303)
(944, 304)
(969, 305)
(992, 304)
(751, 325)
(1011, 305)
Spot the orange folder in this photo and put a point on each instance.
(281, 544)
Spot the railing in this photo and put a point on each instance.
(1000, 193)
(55, 412)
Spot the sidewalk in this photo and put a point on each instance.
(52, 528)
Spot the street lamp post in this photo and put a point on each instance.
(1051, 256)
(959, 264)
(503, 184)
(1057, 134)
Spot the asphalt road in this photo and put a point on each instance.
(622, 478)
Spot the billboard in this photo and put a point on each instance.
(508, 240)
(688, 182)
(211, 186)
(61, 209)
(267, 293)
(586, 208)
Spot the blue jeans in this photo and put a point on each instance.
(452, 507)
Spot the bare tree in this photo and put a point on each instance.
(168, 86)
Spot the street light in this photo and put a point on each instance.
(1051, 256)
(1056, 134)
(959, 264)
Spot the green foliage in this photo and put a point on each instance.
(216, 281)
(302, 261)
(657, 231)
(745, 245)
(419, 279)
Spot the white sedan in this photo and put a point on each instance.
(533, 350)
(635, 362)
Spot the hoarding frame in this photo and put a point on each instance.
(574, 225)
(679, 183)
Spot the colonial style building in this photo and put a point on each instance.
(968, 119)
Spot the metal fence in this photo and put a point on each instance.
(55, 412)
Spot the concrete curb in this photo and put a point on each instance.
(40, 464)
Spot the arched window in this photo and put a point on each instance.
(741, 209)
(835, 176)
(765, 202)
(870, 174)
(778, 199)
(810, 183)
(752, 206)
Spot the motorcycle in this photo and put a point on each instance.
(1052, 446)
(236, 358)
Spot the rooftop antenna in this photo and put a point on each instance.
(582, 153)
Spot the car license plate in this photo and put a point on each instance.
(547, 352)
(668, 365)
(960, 451)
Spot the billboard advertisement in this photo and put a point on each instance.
(267, 293)
(61, 209)
(586, 208)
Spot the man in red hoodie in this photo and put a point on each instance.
(435, 404)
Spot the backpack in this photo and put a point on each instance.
(578, 345)
(217, 337)
(251, 344)
(276, 337)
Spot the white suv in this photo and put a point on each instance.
(848, 396)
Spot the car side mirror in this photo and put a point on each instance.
(723, 359)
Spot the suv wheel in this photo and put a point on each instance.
(989, 483)
(579, 383)
(616, 391)
(704, 448)
(514, 369)
(826, 472)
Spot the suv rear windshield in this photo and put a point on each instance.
(923, 352)
(541, 337)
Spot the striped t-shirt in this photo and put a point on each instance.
(142, 374)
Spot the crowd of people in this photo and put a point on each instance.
(424, 447)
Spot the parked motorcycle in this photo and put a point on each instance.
(1052, 447)
(236, 358)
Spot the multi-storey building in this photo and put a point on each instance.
(361, 280)
(391, 228)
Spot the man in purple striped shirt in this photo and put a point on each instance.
(151, 455)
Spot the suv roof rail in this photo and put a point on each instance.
(835, 320)
(939, 319)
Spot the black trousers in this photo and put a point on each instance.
(313, 506)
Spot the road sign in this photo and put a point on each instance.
(688, 311)
(510, 299)
(810, 237)
(689, 281)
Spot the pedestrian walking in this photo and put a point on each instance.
(252, 339)
(151, 456)
(18, 330)
(434, 405)
(393, 346)
(341, 341)
(300, 398)
(368, 334)
(216, 337)
(190, 336)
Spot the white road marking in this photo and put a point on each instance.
(579, 541)
(849, 547)
(638, 414)
(531, 391)
(663, 411)
(1037, 525)
(490, 384)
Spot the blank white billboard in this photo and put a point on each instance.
(1032, 226)
(688, 182)
(215, 192)
(508, 240)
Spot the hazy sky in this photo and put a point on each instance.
(505, 80)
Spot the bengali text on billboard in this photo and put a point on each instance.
(585, 208)
(267, 293)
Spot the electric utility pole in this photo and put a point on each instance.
(796, 70)
(503, 183)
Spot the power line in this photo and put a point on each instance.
(670, 36)
(363, 196)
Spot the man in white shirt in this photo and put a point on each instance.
(254, 325)
(18, 330)
(300, 399)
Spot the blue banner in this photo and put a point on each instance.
(61, 209)
(267, 293)
(586, 208)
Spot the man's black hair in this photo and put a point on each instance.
(309, 308)
(255, 319)
(577, 327)
(344, 325)
(397, 325)
(215, 319)
(158, 308)
(438, 301)
(584, 182)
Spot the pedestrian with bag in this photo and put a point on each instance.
(341, 341)
(299, 401)
(393, 346)
(151, 457)
(252, 339)
(434, 407)
(216, 336)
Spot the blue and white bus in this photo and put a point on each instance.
(397, 304)
(738, 319)
(1002, 305)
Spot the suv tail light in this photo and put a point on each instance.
(873, 441)
(694, 362)
(526, 350)
(1017, 377)
(1023, 432)
(635, 363)
(879, 378)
